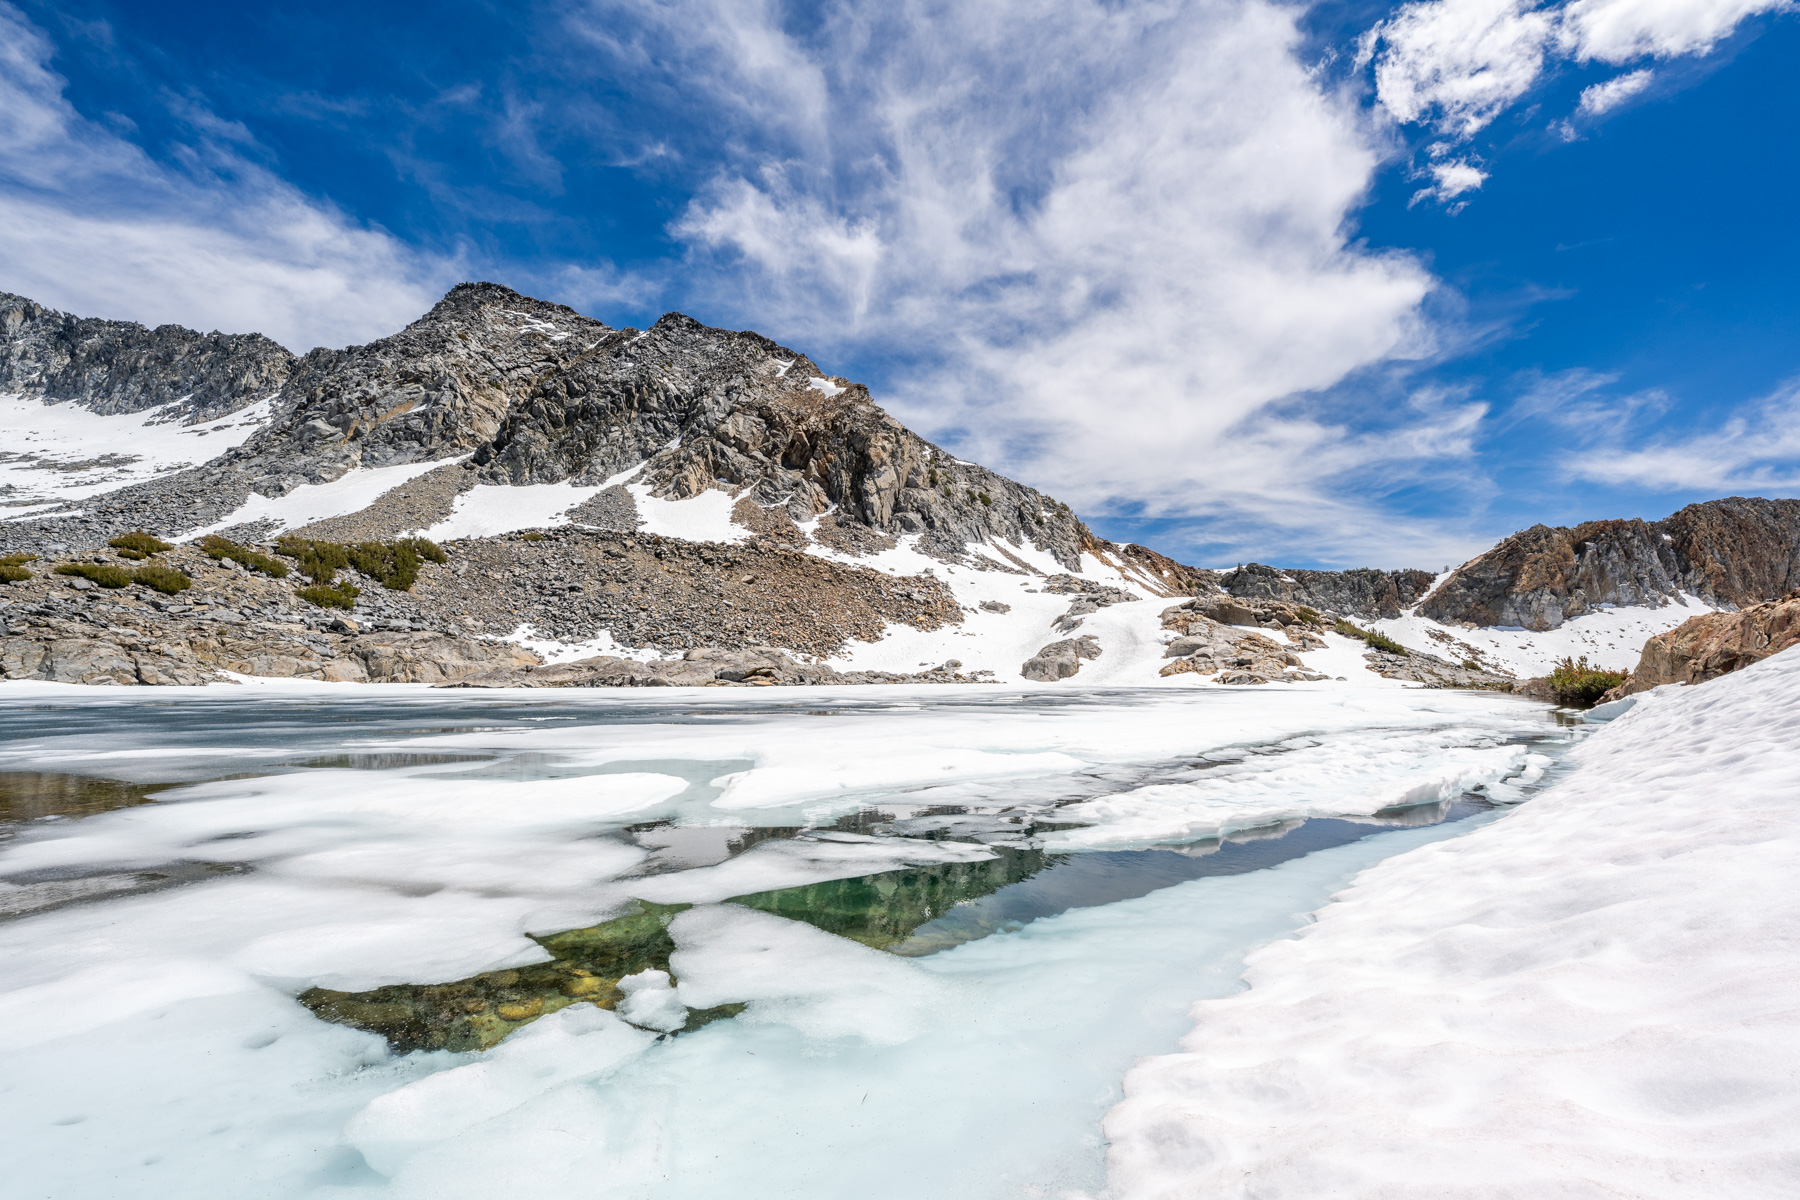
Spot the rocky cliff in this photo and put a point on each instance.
(1356, 593)
(1728, 552)
(120, 366)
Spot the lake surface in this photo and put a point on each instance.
(861, 941)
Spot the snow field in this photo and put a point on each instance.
(48, 438)
(1611, 638)
(350, 492)
(1592, 997)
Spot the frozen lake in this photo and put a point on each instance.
(915, 937)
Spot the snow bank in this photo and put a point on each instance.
(489, 510)
(350, 492)
(1611, 637)
(1592, 997)
(702, 518)
(58, 452)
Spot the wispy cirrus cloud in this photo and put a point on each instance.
(1754, 450)
(91, 224)
(1107, 248)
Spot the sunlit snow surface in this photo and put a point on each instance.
(56, 452)
(1593, 997)
(154, 1046)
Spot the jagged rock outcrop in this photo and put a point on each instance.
(1363, 592)
(1715, 644)
(1218, 636)
(1060, 660)
(123, 367)
(1729, 552)
(534, 392)
(1156, 573)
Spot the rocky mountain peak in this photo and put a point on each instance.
(1731, 552)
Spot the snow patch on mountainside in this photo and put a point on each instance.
(351, 492)
(1611, 637)
(489, 510)
(702, 518)
(1592, 996)
(58, 452)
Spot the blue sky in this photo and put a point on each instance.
(1340, 285)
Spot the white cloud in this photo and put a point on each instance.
(1113, 238)
(1458, 64)
(1602, 97)
(90, 224)
(1753, 452)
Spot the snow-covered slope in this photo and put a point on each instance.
(1594, 996)
(58, 452)
(1611, 637)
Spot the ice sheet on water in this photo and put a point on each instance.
(1594, 996)
(1001, 1052)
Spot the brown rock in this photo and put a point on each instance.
(1715, 644)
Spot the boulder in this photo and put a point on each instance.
(1715, 644)
(1060, 660)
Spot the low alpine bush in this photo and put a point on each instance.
(139, 545)
(165, 579)
(12, 568)
(1374, 639)
(218, 549)
(1580, 685)
(104, 574)
(341, 594)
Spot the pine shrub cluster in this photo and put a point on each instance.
(218, 549)
(341, 594)
(12, 568)
(394, 565)
(138, 545)
(1576, 683)
(159, 577)
(1375, 640)
(104, 574)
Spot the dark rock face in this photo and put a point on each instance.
(1359, 593)
(122, 367)
(1728, 552)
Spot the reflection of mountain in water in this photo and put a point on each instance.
(881, 910)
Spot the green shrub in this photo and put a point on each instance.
(1577, 683)
(164, 579)
(1374, 640)
(12, 568)
(533, 536)
(1311, 616)
(218, 549)
(1470, 664)
(426, 549)
(342, 594)
(105, 575)
(986, 500)
(318, 561)
(138, 544)
(394, 565)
